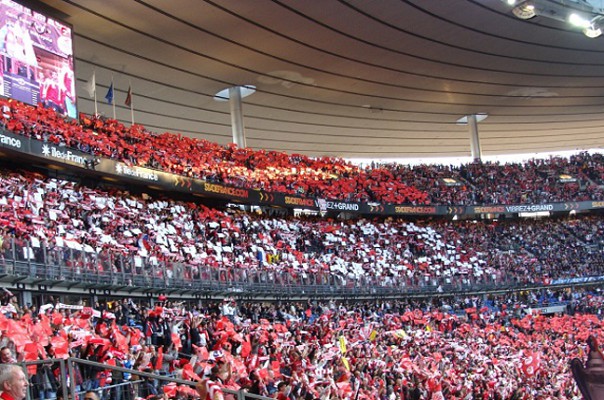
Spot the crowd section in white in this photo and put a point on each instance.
(187, 237)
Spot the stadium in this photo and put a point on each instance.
(301, 200)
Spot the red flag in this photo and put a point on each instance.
(201, 352)
(3, 322)
(344, 389)
(170, 390)
(276, 367)
(187, 392)
(135, 336)
(246, 349)
(31, 351)
(45, 323)
(18, 334)
(82, 323)
(32, 369)
(57, 318)
(187, 373)
(102, 330)
(530, 363)
(27, 320)
(120, 341)
(39, 335)
(86, 312)
(61, 346)
(128, 100)
(160, 358)
(42, 351)
(176, 341)
(97, 340)
(239, 368)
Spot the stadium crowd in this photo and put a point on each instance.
(113, 230)
(539, 181)
(487, 349)
(443, 348)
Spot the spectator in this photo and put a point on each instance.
(6, 356)
(283, 391)
(211, 388)
(13, 382)
(147, 387)
(91, 395)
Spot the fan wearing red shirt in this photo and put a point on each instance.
(283, 391)
(13, 382)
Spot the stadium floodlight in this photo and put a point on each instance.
(579, 20)
(586, 15)
(595, 28)
(525, 10)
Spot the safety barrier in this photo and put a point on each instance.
(67, 263)
(52, 264)
(90, 376)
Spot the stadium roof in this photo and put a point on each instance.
(349, 78)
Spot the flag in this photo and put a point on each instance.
(346, 364)
(530, 363)
(109, 95)
(90, 86)
(342, 345)
(128, 100)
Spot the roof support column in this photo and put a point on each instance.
(474, 138)
(237, 116)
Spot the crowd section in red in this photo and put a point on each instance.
(492, 349)
(189, 240)
(540, 181)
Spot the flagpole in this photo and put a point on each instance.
(96, 110)
(113, 100)
(131, 106)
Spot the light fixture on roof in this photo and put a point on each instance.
(479, 117)
(578, 20)
(245, 90)
(525, 10)
(595, 28)
(586, 15)
(593, 31)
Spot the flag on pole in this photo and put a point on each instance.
(128, 100)
(90, 86)
(109, 95)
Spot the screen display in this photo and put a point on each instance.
(36, 53)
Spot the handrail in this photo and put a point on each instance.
(66, 372)
(54, 266)
(62, 367)
(239, 394)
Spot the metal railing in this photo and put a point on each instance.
(42, 263)
(122, 390)
(40, 385)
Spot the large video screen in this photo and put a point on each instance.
(37, 58)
